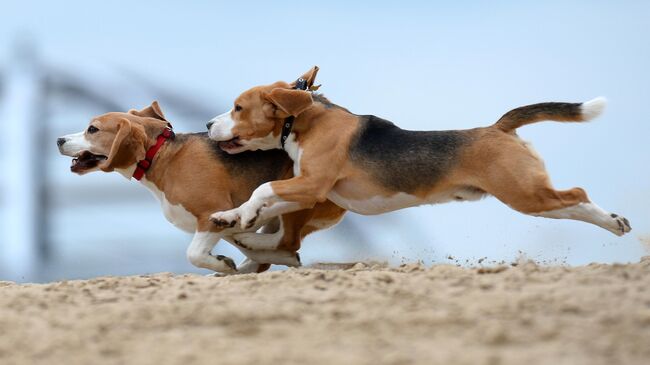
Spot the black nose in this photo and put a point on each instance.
(60, 142)
(209, 124)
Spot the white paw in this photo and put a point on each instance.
(622, 225)
(250, 214)
(228, 265)
(222, 265)
(226, 219)
(248, 266)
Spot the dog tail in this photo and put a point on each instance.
(559, 112)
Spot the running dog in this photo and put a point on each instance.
(192, 177)
(369, 165)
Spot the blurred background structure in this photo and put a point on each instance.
(419, 64)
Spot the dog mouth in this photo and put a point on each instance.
(85, 161)
(230, 145)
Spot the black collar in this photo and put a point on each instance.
(301, 84)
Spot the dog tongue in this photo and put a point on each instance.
(85, 161)
(228, 145)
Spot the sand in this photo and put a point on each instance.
(363, 314)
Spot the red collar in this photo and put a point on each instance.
(143, 165)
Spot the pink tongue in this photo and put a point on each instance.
(228, 145)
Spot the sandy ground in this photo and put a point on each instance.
(365, 314)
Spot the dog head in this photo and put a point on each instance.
(256, 119)
(113, 140)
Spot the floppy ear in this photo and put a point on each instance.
(152, 111)
(127, 148)
(289, 101)
(310, 77)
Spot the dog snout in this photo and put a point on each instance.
(60, 142)
(209, 124)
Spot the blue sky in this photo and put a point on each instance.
(423, 65)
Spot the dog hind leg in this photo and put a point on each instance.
(568, 204)
(518, 178)
(590, 213)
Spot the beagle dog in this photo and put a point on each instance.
(192, 178)
(368, 165)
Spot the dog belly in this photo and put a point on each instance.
(347, 197)
(375, 204)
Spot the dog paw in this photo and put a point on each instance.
(622, 223)
(248, 266)
(294, 260)
(231, 267)
(250, 216)
(227, 219)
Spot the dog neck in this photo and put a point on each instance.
(144, 164)
(312, 117)
(158, 163)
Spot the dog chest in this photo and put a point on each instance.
(175, 214)
(294, 151)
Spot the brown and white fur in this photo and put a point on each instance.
(192, 178)
(370, 166)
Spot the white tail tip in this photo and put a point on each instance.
(593, 108)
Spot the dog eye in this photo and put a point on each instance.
(92, 129)
(238, 108)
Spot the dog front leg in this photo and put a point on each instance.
(273, 257)
(272, 199)
(199, 253)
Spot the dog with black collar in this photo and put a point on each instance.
(370, 166)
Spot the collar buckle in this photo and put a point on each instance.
(144, 164)
(168, 132)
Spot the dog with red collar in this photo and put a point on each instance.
(369, 165)
(192, 177)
